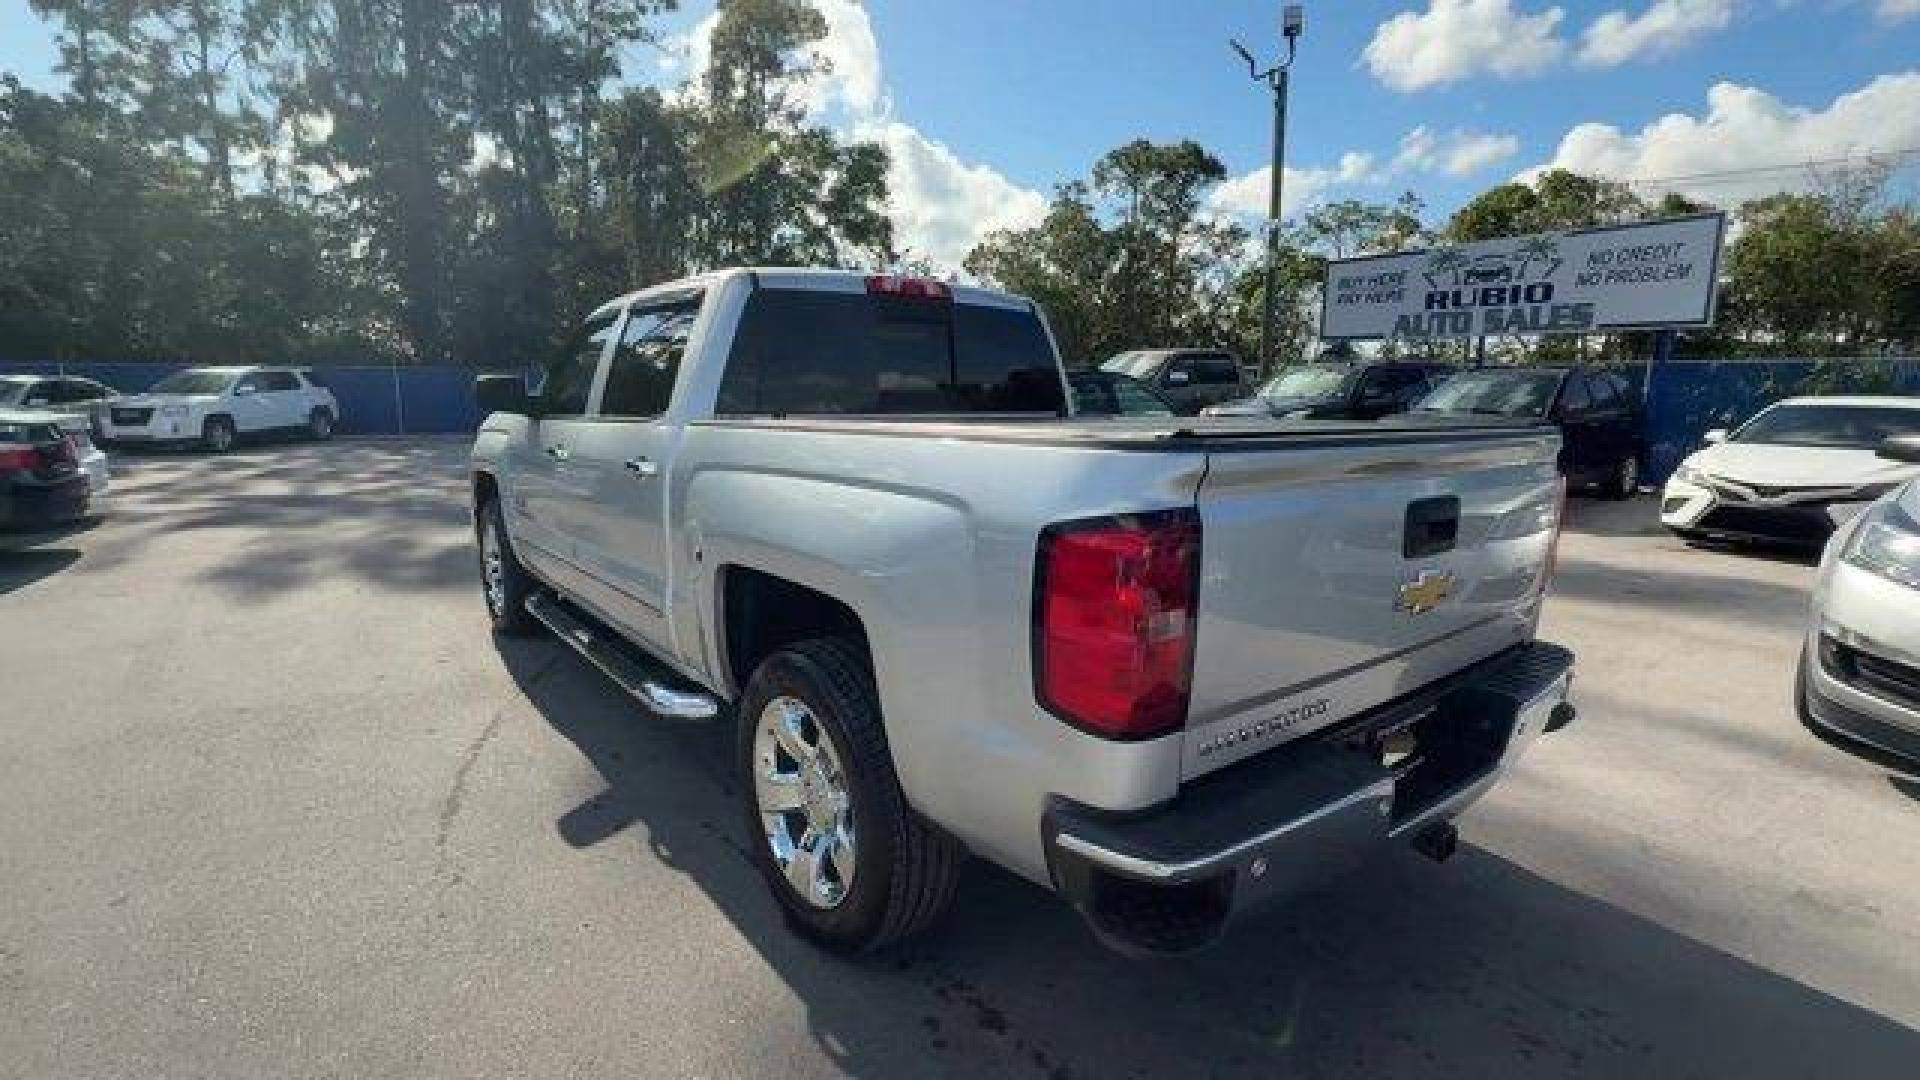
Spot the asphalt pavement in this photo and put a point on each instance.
(273, 802)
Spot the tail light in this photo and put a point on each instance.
(1115, 606)
(908, 288)
(48, 457)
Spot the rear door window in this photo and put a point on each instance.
(276, 381)
(805, 352)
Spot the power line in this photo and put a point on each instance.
(1865, 159)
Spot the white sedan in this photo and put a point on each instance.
(1791, 472)
(1860, 669)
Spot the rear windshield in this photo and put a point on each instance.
(194, 381)
(1494, 393)
(1135, 365)
(1859, 426)
(804, 352)
(1310, 381)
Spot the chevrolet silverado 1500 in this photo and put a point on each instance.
(1168, 668)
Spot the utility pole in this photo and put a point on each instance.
(1293, 22)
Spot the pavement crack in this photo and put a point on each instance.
(457, 793)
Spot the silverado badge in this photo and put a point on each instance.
(1424, 593)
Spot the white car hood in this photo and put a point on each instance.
(1771, 465)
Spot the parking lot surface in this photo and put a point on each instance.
(273, 802)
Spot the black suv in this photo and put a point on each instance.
(1189, 379)
(1597, 413)
(1342, 390)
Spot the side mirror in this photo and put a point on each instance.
(1715, 437)
(1901, 448)
(1178, 378)
(503, 393)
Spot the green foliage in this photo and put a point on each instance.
(418, 180)
(1128, 260)
(401, 179)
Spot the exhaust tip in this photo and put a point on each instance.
(1439, 842)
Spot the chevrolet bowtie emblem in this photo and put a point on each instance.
(1424, 593)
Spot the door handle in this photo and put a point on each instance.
(644, 468)
(558, 452)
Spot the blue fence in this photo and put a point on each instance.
(1689, 397)
(373, 400)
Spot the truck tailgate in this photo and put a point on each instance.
(1337, 576)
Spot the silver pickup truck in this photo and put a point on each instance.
(1166, 667)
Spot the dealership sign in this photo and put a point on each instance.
(1655, 274)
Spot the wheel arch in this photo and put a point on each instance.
(760, 612)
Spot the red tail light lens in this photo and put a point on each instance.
(19, 457)
(1115, 604)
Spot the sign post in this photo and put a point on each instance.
(1646, 276)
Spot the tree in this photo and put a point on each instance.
(1350, 227)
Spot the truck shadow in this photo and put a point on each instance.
(1475, 968)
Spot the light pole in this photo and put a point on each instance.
(1293, 21)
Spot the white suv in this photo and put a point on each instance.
(217, 405)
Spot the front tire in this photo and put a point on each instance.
(852, 865)
(504, 583)
(217, 435)
(320, 425)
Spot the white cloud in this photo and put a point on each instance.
(1893, 11)
(1458, 39)
(941, 205)
(1247, 195)
(852, 76)
(1616, 37)
(1746, 128)
(1456, 153)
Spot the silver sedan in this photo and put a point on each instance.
(1860, 670)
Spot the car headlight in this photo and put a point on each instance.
(1887, 543)
(1687, 474)
(173, 410)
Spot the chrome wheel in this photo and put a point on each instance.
(493, 568)
(321, 425)
(220, 436)
(1629, 475)
(806, 805)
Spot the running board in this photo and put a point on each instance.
(663, 693)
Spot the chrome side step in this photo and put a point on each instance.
(662, 692)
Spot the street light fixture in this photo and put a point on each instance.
(1293, 23)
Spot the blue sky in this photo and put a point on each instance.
(988, 104)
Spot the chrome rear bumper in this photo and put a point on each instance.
(1171, 878)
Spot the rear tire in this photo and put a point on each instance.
(902, 870)
(217, 435)
(504, 583)
(320, 425)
